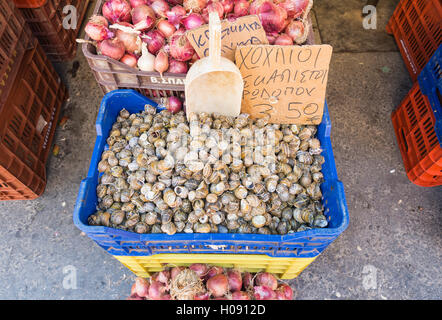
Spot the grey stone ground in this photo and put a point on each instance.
(395, 226)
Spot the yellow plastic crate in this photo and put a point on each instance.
(284, 268)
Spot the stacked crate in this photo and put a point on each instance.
(46, 18)
(31, 96)
(418, 126)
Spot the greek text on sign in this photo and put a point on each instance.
(285, 83)
(243, 31)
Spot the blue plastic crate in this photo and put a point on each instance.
(306, 244)
(430, 82)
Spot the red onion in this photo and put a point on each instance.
(247, 280)
(193, 20)
(213, 6)
(143, 17)
(175, 271)
(195, 5)
(176, 14)
(271, 16)
(232, 17)
(271, 37)
(241, 8)
(266, 279)
(155, 41)
(163, 276)
(97, 29)
(160, 7)
(161, 63)
(180, 47)
(240, 295)
(195, 57)
(295, 29)
(166, 28)
(235, 280)
(295, 8)
(175, 2)
(136, 3)
(157, 290)
(117, 11)
(228, 5)
(213, 271)
(202, 296)
(284, 40)
(264, 293)
(218, 285)
(199, 268)
(141, 287)
(112, 48)
(130, 59)
(284, 292)
(166, 297)
(131, 41)
(176, 66)
(134, 297)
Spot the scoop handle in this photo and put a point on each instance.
(214, 39)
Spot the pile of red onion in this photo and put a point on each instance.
(203, 282)
(161, 24)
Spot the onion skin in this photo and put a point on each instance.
(266, 279)
(112, 48)
(176, 14)
(136, 3)
(202, 296)
(218, 285)
(130, 60)
(161, 7)
(247, 280)
(272, 17)
(161, 64)
(97, 29)
(240, 295)
(166, 28)
(176, 66)
(192, 21)
(284, 40)
(284, 292)
(156, 290)
(117, 11)
(213, 271)
(175, 271)
(241, 8)
(235, 280)
(295, 30)
(129, 40)
(194, 5)
(295, 8)
(155, 41)
(199, 268)
(163, 276)
(141, 287)
(228, 5)
(180, 47)
(264, 293)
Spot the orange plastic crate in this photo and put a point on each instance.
(414, 122)
(29, 3)
(27, 126)
(46, 23)
(417, 29)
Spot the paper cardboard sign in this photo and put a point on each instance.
(287, 83)
(243, 31)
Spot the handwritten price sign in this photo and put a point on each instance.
(285, 83)
(243, 31)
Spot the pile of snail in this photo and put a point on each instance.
(165, 173)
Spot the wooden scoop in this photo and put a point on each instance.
(214, 84)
